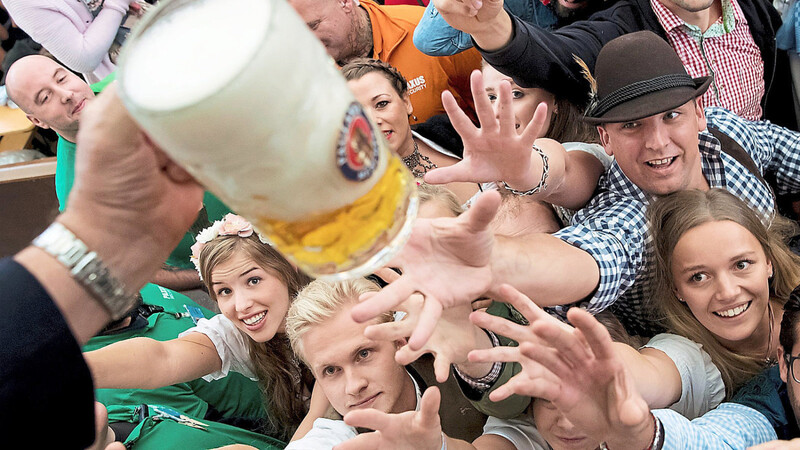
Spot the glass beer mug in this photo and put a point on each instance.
(242, 95)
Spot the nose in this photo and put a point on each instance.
(356, 383)
(66, 95)
(657, 137)
(242, 300)
(728, 288)
(496, 109)
(564, 423)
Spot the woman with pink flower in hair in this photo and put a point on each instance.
(253, 286)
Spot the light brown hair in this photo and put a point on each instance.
(357, 68)
(273, 360)
(670, 218)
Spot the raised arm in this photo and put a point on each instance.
(81, 51)
(145, 363)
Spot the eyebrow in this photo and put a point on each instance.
(314, 23)
(353, 355)
(697, 267)
(240, 275)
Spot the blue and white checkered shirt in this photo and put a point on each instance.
(613, 229)
(729, 426)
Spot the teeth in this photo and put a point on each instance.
(659, 162)
(255, 319)
(733, 312)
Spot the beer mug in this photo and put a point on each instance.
(242, 95)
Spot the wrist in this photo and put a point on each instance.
(648, 435)
(496, 34)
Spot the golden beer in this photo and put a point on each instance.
(266, 122)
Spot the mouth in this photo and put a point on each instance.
(366, 403)
(79, 107)
(388, 134)
(571, 441)
(661, 164)
(733, 312)
(255, 321)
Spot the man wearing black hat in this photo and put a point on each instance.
(732, 39)
(650, 122)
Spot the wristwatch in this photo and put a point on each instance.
(86, 267)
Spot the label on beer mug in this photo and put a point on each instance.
(357, 151)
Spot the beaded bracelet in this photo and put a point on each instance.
(542, 183)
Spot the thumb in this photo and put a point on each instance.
(459, 171)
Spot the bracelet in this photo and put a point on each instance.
(542, 183)
(658, 436)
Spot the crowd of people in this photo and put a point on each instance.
(605, 253)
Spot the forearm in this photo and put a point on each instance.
(477, 370)
(656, 378)
(137, 363)
(177, 279)
(457, 444)
(543, 267)
(638, 436)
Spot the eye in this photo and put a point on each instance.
(364, 354)
(382, 104)
(517, 94)
(698, 277)
(492, 97)
(743, 264)
(61, 80)
(630, 125)
(672, 115)
(330, 370)
(223, 292)
(252, 281)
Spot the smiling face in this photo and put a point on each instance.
(721, 272)
(389, 110)
(660, 153)
(254, 299)
(557, 430)
(524, 100)
(50, 95)
(355, 372)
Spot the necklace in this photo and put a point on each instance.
(416, 159)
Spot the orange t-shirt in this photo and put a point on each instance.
(392, 37)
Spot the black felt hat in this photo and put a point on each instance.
(640, 75)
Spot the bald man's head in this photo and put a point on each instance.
(51, 96)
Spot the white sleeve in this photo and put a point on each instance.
(230, 345)
(595, 150)
(702, 388)
(324, 435)
(520, 431)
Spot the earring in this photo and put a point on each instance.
(413, 117)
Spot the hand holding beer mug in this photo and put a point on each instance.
(266, 122)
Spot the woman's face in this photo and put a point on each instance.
(557, 430)
(722, 274)
(390, 111)
(524, 100)
(254, 299)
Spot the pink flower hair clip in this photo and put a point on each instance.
(230, 225)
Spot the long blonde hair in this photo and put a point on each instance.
(273, 360)
(670, 218)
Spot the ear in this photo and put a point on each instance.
(346, 5)
(604, 139)
(701, 116)
(784, 369)
(37, 122)
(399, 343)
(407, 101)
(769, 268)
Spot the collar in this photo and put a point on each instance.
(732, 15)
(386, 34)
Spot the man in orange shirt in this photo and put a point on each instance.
(351, 29)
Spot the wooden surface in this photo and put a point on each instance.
(15, 129)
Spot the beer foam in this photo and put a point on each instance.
(166, 70)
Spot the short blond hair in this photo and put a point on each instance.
(433, 192)
(321, 300)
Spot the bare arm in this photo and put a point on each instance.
(177, 279)
(647, 365)
(145, 363)
(492, 442)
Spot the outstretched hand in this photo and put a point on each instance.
(523, 383)
(496, 150)
(589, 383)
(411, 430)
(453, 338)
(469, 16)
(446, 260)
